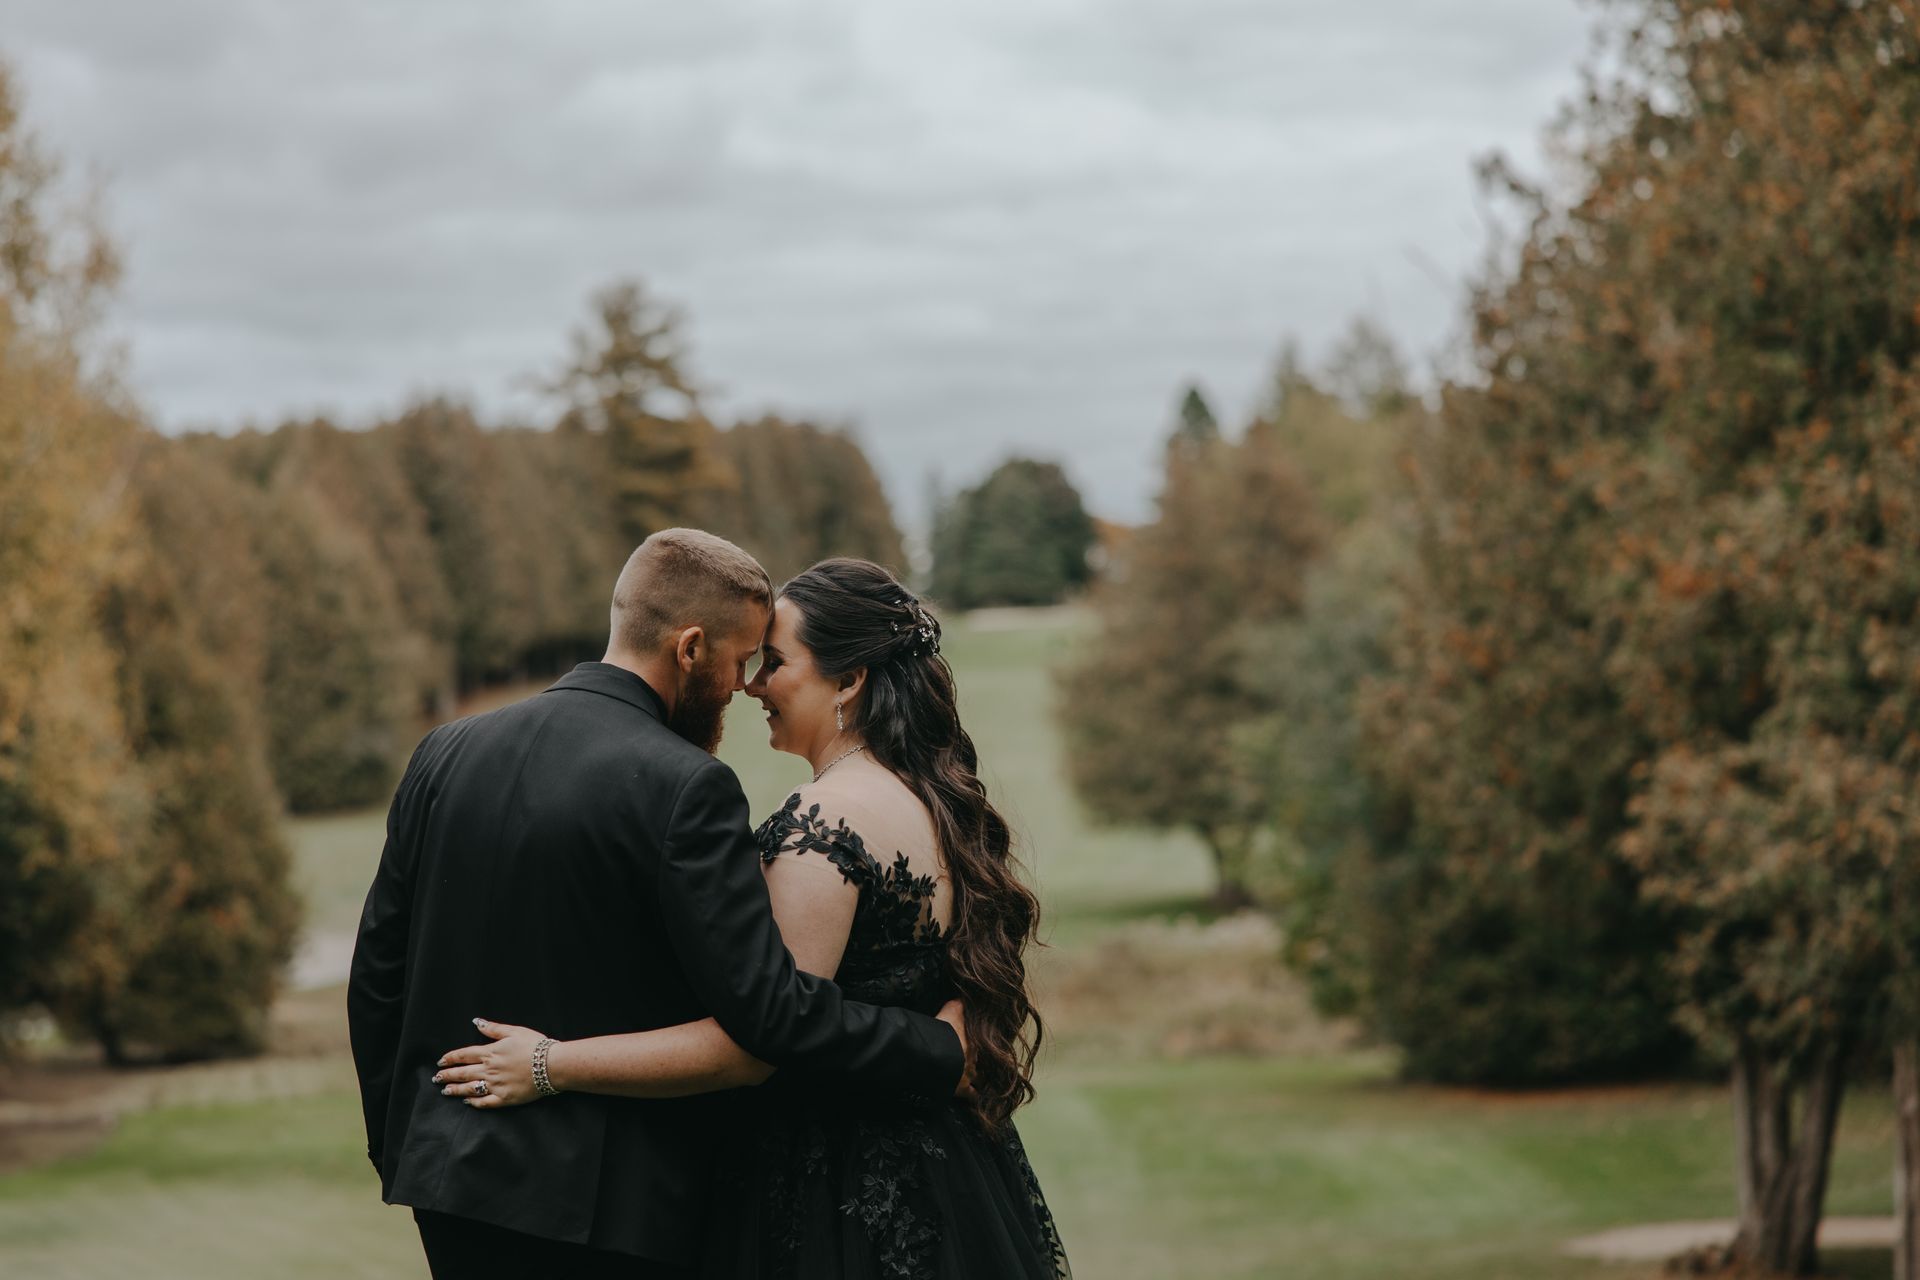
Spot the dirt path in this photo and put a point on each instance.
(320, 962)
(1651, 1242)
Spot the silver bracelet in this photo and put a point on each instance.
(542, 1085)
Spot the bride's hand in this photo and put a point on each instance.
(505, 1064)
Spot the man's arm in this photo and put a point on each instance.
(721, 923)
(377, 981)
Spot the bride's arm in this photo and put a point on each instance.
(813, 905)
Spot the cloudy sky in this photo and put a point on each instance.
(964, 229)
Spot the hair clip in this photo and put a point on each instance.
(926, 631)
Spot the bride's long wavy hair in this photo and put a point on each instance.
(854, 614)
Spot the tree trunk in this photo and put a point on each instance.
(1906, 1174)
(1782, 1175)
(1230, 891)
(1759, 1139)
(1813, 1160)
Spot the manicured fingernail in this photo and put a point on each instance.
(447, 1092)
(479, 1022)
(436, 1077)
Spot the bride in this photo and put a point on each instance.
(889, 872)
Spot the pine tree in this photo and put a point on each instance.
(1195, 424)
(627, 385)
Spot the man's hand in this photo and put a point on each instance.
(954, 1014)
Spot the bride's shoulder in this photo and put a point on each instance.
(820, 820)
(824, 808)
(867, 799)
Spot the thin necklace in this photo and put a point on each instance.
(837, 759)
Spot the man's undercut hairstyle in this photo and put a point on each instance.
(684, 578)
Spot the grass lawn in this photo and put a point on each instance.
(1314, 1164)
(1221, 1168)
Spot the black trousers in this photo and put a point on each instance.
(463, 1249)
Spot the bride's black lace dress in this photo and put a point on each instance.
(825, 1184)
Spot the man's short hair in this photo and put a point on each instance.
(684, 578)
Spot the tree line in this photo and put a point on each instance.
(1584, 740)
(200, 633)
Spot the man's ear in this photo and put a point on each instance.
(689, 647)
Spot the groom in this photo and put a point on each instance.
(580, 862)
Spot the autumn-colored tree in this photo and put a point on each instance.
(1654, 696)
(357, 477)
(1365, 372)
(1019, 537)
(1153, 707)
(143, 887)
(70, 805)
(201, 917)
(804, 493)
(1342, 425)
(628, 385)
(1769, 574)
(1315, 867)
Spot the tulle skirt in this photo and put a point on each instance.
(816, 1188)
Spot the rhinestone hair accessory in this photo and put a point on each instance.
(922, 631)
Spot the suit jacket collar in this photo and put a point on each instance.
(614, 682)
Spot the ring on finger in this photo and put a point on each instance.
(479, 1088)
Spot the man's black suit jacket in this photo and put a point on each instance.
(569, 863)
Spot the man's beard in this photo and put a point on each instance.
(700, 713)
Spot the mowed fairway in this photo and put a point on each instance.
(1170, 1141)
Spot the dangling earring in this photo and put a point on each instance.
(839, 717)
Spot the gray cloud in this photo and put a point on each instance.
(1013, 224)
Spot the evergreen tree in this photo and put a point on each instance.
(803, 493)
(452, 467)
(628, 386)
(358, 477)
(202, 917)
(1021, 537)
(339, 710)
(1195, 424)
